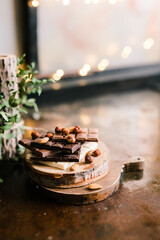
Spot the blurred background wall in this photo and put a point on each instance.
(12, 34)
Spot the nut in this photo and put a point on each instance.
(44, 140)
(94, 186)
(71, 130)
(65, 131)
(74, 167)
(88, 159)
(58, 129)
(71, 139)
(77, 129)
(35, 135)
(90, 153)
(58, 175)
(96, 153)
(49, 135)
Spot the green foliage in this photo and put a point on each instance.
(19, 101)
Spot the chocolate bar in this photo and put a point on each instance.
(88, 135)
(40, 152)
(58, 157)
(44, 150)
(63, 146)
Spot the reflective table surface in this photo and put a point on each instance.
(129, 125)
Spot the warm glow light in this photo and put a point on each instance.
(82, 82)
(33, 3)
(56, 77)
(56, 86)
(66, 2)
(85, 118)
(60, 72)
(103, 65)
(126, 52)
(148, 43)
(87, 67)
(112, 1)
(83, 72)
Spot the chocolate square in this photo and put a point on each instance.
(81, 136)
(92, 137)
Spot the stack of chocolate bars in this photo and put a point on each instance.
(59, 144)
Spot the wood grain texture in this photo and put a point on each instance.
(52, 177)
(110, 184)
(129, 125)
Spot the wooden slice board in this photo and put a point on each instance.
(52, 177)
(110, 183)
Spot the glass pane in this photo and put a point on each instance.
(103, 34)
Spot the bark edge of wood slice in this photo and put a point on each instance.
(87, 173)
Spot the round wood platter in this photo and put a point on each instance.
(86, 173)
(110, 183)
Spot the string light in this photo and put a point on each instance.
(87, 67)
(148, 43)
(56, 77)
(58, 74)
(103, 65)
(126, 52)
(33, 3)
(83, 72)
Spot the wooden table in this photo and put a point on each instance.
(129, 124)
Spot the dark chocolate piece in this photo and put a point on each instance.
(39, 152)
(36, 143)
(64, 147)
(50, 158)
(58, 137)
(58, 157)
(71, 148)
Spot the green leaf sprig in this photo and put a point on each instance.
(19, 100)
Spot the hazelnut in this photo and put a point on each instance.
(71, 130)
(58, 129)
(94, 186)
(71, 139)
(35, 135)
(77, 129)
(49, 135)
(90, 153)
(65, 131)
(74, 167)
(44, 140)
(88, 159)
(96, 153)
